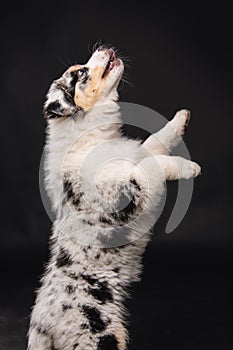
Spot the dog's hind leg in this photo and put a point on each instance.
(170, 135)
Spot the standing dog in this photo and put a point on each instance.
(105, 190)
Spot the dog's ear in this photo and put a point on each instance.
(59, 102)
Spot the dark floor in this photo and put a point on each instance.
(185, 306)
(181, 303)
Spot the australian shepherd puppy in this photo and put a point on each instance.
(105, 190)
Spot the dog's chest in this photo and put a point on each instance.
(97, 161)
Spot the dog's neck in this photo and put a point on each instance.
(103, 120)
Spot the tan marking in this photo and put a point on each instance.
(75, 67)
(87, 98)
(121, 336)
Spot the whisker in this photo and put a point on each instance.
(61, 61)
(109, 46)
(121, 85)
(96, 45)
(126, 64)
(68, 59)
(125, 59)
(127, 82)
(89, 48)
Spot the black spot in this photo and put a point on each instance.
(66, 185)
(66, 307)
(53, 110)
(87, 222)
(97, 256)
(70, 194)
(68, 188)
(116, 269)
(73, 82)
(124, 214)
(76, 200)
(67, 95)
(102, 292)
(99, 290)
(63, 258)
(110, 250)
(108, 342)
(70, 289)
(105, 220)
(94, 317)
(76, 77)
(85, 79)
(75, 346)
(71, 275)
(42, 331)
(135, 184)
(89, 279)
(85, 249)
(83, 326)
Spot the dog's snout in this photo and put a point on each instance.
(106, 49)
(102, 47)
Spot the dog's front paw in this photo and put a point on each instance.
(181, 121)
(190, 169)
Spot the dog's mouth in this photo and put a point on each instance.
(112, 62)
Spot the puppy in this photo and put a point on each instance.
(105, 190)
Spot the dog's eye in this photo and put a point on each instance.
(81, 72)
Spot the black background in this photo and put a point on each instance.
(180, 56)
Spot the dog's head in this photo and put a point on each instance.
(83, 86)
